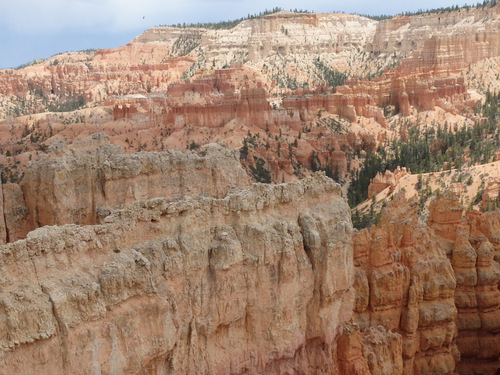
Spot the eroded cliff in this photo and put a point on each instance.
(258, 282)
(84, 183)
(404, 313)
(427, 295)
(472, 242)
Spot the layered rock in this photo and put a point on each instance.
(386, 180)
(283, 33)
(172, 87)
(164, 55)
(472, 243)
(259, 282)
(427, 297)
(431, 50)
(81, 185)
(404, 306)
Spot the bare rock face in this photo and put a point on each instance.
(82, 185)
(427, 296)
(257, 282)
(472, 242)
(404, 304)
(3, 228)
(386, 180)
(15, 212)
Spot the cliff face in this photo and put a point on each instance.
(387, 180)
(427, 296)
(271, 36)
(404, 312)
(446, 41)
(280, 76)
(168, 263)
(82, 185)
(260, 282)
(279, 51)
(472, 244)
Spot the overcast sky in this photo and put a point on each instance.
(31, 29)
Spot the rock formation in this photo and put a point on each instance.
(259, 281)
(427, 52)
(174, 87)
(387, 180)
(81, 185)
(427, 296)
(166, 262)
(404, 308)
(491, 196)
(472, 245)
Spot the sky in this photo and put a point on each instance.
(32, 29)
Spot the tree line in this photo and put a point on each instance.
(431, 150)
(224, 25)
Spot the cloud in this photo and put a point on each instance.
(36, 16)
(32, 16)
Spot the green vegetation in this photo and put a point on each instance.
(88, 50)
(38, 102)
(331, 171)
(429, 150)
(67, 106)
(484, 4)
(185, 44)
(360, 179)
(285, 81)
(10, 174)
(379, 17)
(332, 76)
(193, 146)
(232, 23)
(259, 172)
(492, 205)
(25, 65)
(361, 221)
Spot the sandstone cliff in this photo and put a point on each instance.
(423, 57)
(81, 185)
(142, 265)
(259, 281)
(472, 243)
(175, 87)
(427, 296)
(404, 312)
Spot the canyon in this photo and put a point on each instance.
(179, 204)
(329, 82)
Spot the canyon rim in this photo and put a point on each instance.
(294, 193)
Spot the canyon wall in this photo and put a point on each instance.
(427, 296)
(258, 280)
(404, 312)
(426, 52)
(82, 184)
(472, 242)
(168, 263)
(272, 74)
